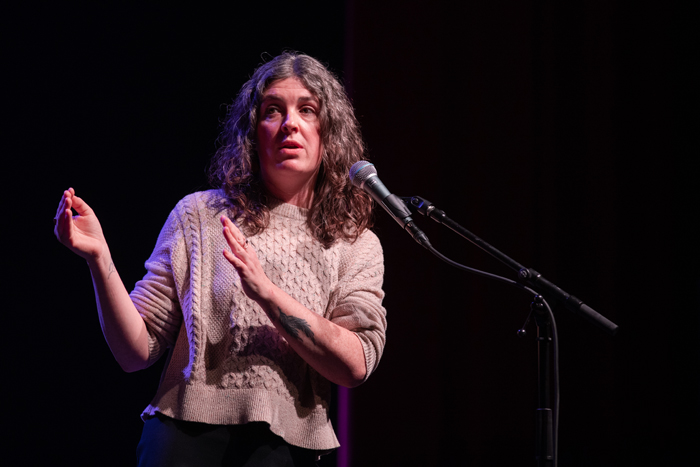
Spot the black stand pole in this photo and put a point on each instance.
(544, 440)
(546, 436)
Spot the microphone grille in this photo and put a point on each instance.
(361, 171)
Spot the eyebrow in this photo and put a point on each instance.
(309, 98)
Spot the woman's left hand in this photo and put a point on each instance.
(243, 257)
(333, 351)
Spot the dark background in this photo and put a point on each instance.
(563, 134)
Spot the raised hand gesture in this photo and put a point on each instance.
(81, 233)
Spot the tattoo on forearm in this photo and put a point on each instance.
(293, 325)
(111, 269)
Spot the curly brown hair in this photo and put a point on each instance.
(338, 209)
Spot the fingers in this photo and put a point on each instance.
(62, 204)
(63, 214)
(233, 234)
(81, 233)
(80, 206)
(233, 259)
(232, 242)
(240, 256)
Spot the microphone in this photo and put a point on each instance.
(364, 176)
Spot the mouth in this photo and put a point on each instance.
(290, 145)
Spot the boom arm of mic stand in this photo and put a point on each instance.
(527, 275)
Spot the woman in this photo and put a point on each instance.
(262, 292)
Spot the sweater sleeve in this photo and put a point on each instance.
(155, 296)
(359, 300)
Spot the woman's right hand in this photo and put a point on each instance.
(81, 233)
(122, 325)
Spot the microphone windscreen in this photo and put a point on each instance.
(361, 171)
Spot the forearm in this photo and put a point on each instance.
(333, 351)
(122, 325)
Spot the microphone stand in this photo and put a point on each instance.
(525, 275)
(546, 429)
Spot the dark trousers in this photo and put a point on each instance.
(166, 442)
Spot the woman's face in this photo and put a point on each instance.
(288, 138)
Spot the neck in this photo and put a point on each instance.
(302, 198)
(297, 194)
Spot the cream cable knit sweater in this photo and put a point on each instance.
(228, 363)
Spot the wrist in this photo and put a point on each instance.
(100, 259)
(268, 297)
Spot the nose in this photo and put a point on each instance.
(290, 123)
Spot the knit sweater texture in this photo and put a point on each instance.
(227, 362)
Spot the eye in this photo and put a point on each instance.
(308, 110)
